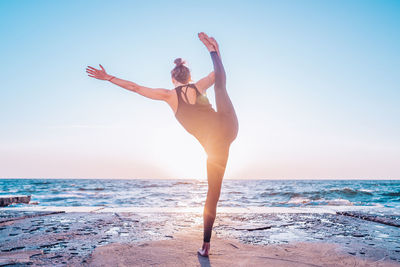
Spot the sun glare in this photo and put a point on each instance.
(180, 155)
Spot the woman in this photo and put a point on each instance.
(215, 130)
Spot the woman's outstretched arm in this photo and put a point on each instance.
(156, 94)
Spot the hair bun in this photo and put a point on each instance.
(179, 62)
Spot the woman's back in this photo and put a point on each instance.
(195, 112)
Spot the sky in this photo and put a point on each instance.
(315, 85)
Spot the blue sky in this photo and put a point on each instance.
(315, 85)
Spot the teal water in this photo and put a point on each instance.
(192, 193)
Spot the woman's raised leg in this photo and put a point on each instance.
(224, 104)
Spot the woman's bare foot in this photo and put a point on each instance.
(204, 250)
(215, 44)
(206, 41)
(209, 42)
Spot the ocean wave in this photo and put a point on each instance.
(151, 185)
(91, 189)
(179, 183)
(235, 192)
(302, 201)
(158, 194)
(59, 197)
(392, 194)
(86, 193)
(349, 191)
(339, 202)
(287, 194)
(366, 190)
(40, 182)
(299, 200)
(54, 199)
(345, 191)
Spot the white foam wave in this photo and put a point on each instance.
(299, 200)
(339, 202)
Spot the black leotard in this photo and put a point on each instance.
(199, 119)
(215, 130)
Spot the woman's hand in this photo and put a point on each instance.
(210, 43)
(98, 74)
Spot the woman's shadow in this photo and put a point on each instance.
(204, 261)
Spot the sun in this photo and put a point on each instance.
(180, 155)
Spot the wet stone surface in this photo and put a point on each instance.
(10, 215)
(69, 238)
(355, 236)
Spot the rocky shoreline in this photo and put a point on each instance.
(61, 238)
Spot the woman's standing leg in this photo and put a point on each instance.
(216, 164)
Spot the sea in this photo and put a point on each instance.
(179, 193)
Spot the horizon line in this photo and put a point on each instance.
(138, 178)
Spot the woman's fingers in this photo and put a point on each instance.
(91, 72)
(87, 69)
(94, 70)
(95, 73)
(91, 68)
